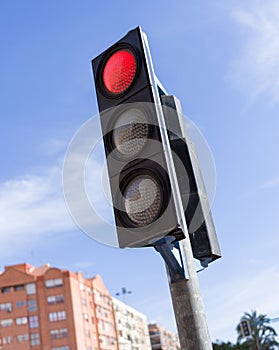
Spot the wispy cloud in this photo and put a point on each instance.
(53, 146)
(271, 184)
(31, 207)
(256, 69)
(227, 301)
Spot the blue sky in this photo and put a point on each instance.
(221, 60)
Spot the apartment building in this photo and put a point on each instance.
(132, 328)
(162, 339)
(47, 308)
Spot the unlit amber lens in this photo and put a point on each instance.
(130, 132)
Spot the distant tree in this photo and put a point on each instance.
(229, 346)
(263, 335)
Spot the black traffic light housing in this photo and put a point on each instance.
(139, 167)
(127, 87)
(245, 327)
(197, 211)
(133, 42)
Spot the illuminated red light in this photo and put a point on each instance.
(119, 71)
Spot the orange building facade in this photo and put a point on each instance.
(162, 338)
(48, 308)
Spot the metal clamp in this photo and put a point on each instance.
(165, 246)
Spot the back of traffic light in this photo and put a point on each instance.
(196, 207)
(140, 168)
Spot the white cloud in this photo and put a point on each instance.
(53, 146)
(226, 302)
(271, 184)
(31, 207)
(257, 68)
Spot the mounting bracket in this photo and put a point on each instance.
(165, 246)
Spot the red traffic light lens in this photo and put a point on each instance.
(119, 71)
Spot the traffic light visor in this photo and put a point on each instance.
(119, 71)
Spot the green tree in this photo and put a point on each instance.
(263, 335)
(229, 346)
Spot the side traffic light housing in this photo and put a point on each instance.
(197, 211)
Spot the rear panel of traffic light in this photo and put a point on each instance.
(198, 216)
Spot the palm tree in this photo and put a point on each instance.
(262, 335)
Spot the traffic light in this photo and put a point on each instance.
(139, 161)
(245, 327)
(198, 216)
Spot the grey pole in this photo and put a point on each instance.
(186, 297)
(188, 306)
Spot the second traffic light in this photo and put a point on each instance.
(245, 327)
(136, 144)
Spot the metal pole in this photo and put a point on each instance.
(185, 293)
(188, 305)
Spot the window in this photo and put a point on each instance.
(21, 320)
(20, 303)
(7, 322)
(85, 316)
(19, 287)
(58, 333)
(33, 321)
(55, 299)
(30, 288)
(97, 295)
(63, 332)
(34, 339)
(59, 299)
(32, 305)
(23, 337)
(54, 283)
(61, 348)
(50, 283)
(54, 333)
(51, 299)
(58, 282)
(107, 326)
(5, 306)
(5, 290)
(6, 340)
(57, 316)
